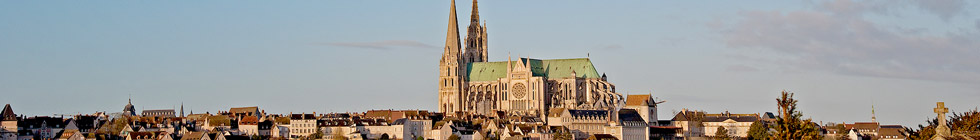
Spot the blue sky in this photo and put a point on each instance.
(838, 56)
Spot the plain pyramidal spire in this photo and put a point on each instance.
(452, 33)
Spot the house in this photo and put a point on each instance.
(141, 136)
(601, 137)
(8, 123)
(630, 125)
(414, 127)
(874, 130)
(891, 132)
(265, 128)
(441, 130)
(249, 126)
(71, 135)
(336, 128)
(302, 125)
(737, 125)
(85, 123)
(700, 124)
(644, 105)
(245, 111)
(45, 127)
(216, 136)
(196, 136)
(582, 123)
(170, 113)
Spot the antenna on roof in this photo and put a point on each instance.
(587, 55)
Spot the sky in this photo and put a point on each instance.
(839, 57)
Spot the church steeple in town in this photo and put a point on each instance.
(449, 67)
(476, 39)
(475, 15)
(873, 118)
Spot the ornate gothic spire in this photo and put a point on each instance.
(475, 15)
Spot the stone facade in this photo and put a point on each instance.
(469, 84)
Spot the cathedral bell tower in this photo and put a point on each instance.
(476, 39)
(450, 79)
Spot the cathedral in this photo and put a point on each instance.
(470, 84)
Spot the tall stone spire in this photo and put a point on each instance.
(452, 32)
(449, 68)
(476, 39)
(475, 15)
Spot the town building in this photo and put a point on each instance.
(129, 109)
(700, 124)
(8, 123)
(159, 113)
(737, 125)
(644, 105)
(302, 125)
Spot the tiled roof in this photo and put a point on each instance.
(249, 120)
(193, 136)
(302, 116)
(253, 109)
(556, 112)
(8, 113)
(588, 113)
(864, 125)
(629, 115)
(141, 135)
(687, 115)
(85, 122)
(552, 69)
(43, 121)
(632, 100)
(891, 130)
(67, 133)
(377, 113)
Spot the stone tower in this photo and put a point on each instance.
(129, 109)
(476, 39)
(8, 125)
(450, 79)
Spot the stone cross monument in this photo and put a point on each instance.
(941, 129)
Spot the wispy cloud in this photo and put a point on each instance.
(832, 38)
(945, 9)
(978, 24)
(385, 44)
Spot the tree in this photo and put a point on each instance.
(965, 122)
(758, 131)
(790, 125)
(562, 134)
(115, 126)
(722, 134)
(842, 132)
(317, 135)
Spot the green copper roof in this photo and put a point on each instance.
(552, 69)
